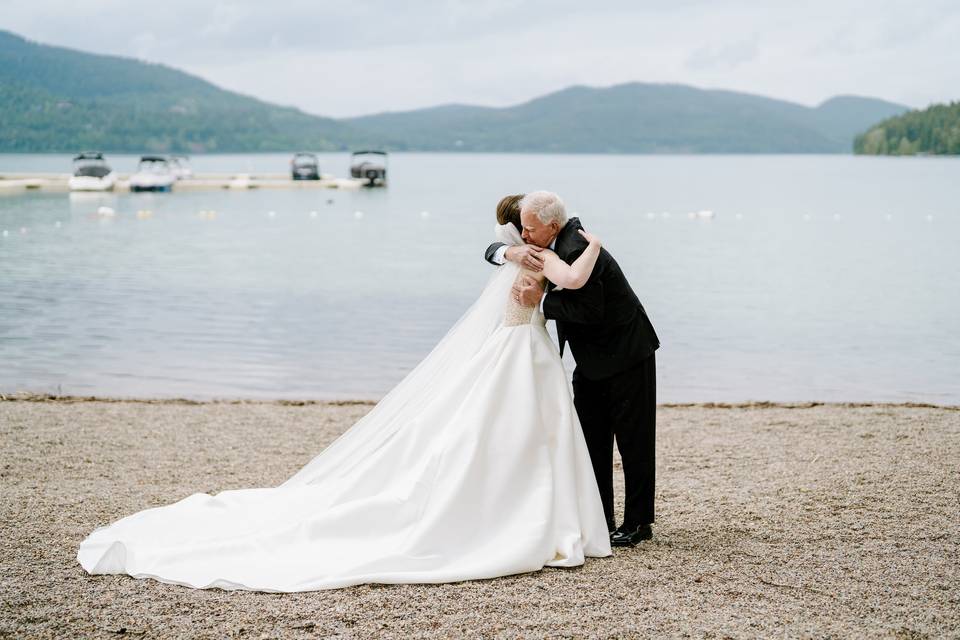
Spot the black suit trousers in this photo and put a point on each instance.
(622, 408)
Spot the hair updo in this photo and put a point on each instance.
(508, 210)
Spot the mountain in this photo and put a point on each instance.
(57, 99)
(934, 130)
(637, 118)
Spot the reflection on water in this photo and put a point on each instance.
(817, 278)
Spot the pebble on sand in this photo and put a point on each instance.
(800, 520)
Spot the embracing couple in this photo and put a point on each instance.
(480, 463)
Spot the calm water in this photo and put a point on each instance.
(820, 278)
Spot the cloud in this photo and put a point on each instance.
(348, 58)
(728, 56)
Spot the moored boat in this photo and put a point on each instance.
(180, 166)
(91, 173)
(154, 173)
(369, 166)
(304, 166)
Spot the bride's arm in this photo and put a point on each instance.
(572, 276)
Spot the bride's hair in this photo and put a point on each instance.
(508, 210)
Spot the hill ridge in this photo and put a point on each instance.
(59, 99)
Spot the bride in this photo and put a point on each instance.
(474, 466)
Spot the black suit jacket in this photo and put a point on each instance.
(604, 322)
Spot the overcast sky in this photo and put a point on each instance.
(353, 57)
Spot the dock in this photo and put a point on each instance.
(15, 182)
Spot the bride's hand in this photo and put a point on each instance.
(526, 255)
(589, 237)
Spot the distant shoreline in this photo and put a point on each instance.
(752, 404)
(286, 153)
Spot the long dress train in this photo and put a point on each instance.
(473, 467)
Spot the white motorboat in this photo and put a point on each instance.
(180, 165)
(154, 173)
(304, 166)
(91, 173)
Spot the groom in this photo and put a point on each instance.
(613, 342)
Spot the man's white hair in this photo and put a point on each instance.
(547, 205)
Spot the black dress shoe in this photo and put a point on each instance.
(628, 537)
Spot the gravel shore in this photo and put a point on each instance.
(773, 520)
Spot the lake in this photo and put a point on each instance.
(821, 278)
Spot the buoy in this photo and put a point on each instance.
(739, 216)
(358, 214)
(929, 218)
(665, 214)
(329, 200)
(806, 217)
(707, 214)
(426, 214)
(23, 229)
(5, 233)
(272, 214)
(836, 216)
(57, 225)
(313, 214)
(106, 211)
(889, 216)
(651, 215)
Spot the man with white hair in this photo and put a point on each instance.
(614, 345)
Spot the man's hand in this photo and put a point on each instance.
(527, 292)
(527, 256)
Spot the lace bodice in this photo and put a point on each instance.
(517, 314)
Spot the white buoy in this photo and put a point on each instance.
(739, 216)
(705, 213)
(358, 214)
(929, 218)
(106, 211)
(5, 233)
(426, 214)
(806, 217)
(57, 225)
(665, 214)
(836, 216)
(889, 216)
(272, 214)
(651, 215)
(23, 229)
(313, 214)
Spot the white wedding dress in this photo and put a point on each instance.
(474, 466)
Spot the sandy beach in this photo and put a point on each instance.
(773, 521)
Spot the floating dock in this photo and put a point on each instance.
(13, 182)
